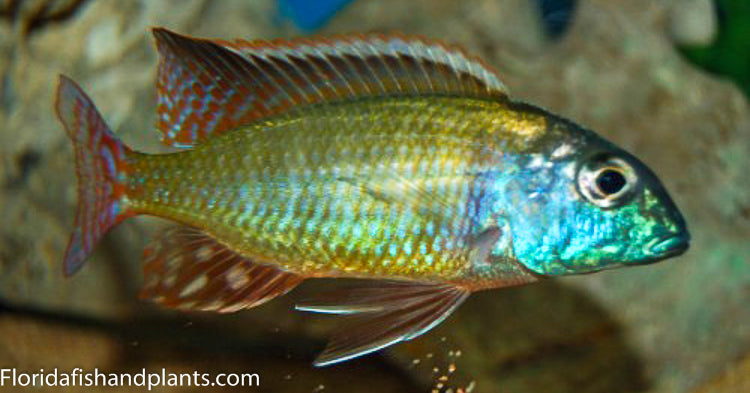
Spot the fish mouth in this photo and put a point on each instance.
(669, 246)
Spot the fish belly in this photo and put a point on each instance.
(373, 188)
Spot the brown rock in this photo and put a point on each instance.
(672, 326)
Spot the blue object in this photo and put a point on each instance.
(309, 14)
(556, 16)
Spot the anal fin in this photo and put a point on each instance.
(187, 269)
(387, 312)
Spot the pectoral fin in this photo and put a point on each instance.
(431, 196)
(388, 312)
(482, 243)
(187, 269)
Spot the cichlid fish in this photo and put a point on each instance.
(395, 160)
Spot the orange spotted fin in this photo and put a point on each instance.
(206, 87)
(186, 269)
(101, 169)
(385, 313)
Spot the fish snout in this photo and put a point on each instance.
(669, 245)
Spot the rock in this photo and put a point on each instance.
(693, 22)
(732, 379)
(546, 337)
(29, 344)
(675, 326)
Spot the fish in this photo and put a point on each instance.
(396, 164)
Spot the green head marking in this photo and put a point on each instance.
(583, 205)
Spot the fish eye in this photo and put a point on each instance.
(607, 181)
(610, 181)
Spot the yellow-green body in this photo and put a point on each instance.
(390, 158)
(336, 190)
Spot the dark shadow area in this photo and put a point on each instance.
(39, 14)
(26, 162)
(546, 337)
(556, 16)
(210, 344)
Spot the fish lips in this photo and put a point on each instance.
(669, 245)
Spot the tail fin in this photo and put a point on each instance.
(101, 168)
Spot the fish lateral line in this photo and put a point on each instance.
(487, 193)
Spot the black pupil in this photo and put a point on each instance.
(610, 181)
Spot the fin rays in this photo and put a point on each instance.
(385, 312)
(206, 87)
(187, 269)
(102, 164)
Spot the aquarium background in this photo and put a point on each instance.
(633, 70)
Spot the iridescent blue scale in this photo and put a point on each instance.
(390, 158)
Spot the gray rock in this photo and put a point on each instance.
(674, 326)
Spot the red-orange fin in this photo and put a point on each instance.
(386, 312)
(206, 87)
(202, 89)
(187, 269)
(101, 169)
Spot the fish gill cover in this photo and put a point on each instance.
(672, 326)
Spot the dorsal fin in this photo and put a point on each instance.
(206, 87)
(202, 89)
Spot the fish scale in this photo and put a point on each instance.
(396, 160)
(285, 203)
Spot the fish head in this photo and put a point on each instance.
(595, 207)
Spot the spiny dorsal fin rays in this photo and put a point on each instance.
(187, 269)
(387, 312)
(202, 88)
(381, 64)
(206, 87)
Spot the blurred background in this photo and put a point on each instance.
(667, 80)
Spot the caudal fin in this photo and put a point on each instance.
(101, 167)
